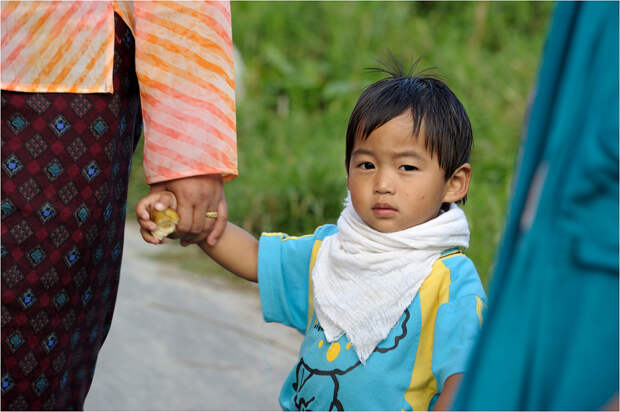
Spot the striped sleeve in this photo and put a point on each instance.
(184, 63)
(57, 46)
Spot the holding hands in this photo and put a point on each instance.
(236, 249)
(195, 199)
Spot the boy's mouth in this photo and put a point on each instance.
(384, 210)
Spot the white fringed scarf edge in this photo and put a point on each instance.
(363, 279)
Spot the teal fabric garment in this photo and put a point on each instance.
(444, 317)
(550, 337)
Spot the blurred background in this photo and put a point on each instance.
(301, 67)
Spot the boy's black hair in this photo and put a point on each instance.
(447, 130)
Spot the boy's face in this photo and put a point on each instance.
(394, 181)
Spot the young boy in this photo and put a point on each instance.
(388, 303)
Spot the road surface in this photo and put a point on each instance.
(180, 341)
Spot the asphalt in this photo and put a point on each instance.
(181, 341)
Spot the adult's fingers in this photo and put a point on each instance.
(220, 223)
(202, 225)
(186, 216)
(196, 195)
(199, 234)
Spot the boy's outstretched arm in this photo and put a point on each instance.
(236, 250)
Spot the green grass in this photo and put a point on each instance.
(305, 66)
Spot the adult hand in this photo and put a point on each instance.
(195, 196)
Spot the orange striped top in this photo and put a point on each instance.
(184, 64)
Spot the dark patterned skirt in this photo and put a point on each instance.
(65, 168)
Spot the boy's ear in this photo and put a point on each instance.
(458, 184)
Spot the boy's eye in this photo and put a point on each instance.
(408, 168)
(366, 165)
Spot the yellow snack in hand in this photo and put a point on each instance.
(166, 221)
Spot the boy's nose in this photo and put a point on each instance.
(384, 183)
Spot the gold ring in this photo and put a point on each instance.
(211, 214)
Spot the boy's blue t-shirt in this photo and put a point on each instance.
(407, 370)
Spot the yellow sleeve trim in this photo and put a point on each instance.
(284, 236)
(479, 309)
(315, 251)
(434, 292)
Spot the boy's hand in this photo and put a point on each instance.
(153, 201)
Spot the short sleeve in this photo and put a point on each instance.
(458, 321)
(283, 275)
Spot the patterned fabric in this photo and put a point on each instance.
(184, 62)
(65, 169)
(407, 370)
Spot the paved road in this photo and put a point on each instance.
(185, 342)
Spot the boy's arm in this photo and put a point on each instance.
(444, 402)
(457, 325)
(237, 251)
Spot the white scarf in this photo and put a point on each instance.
(364, 279)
